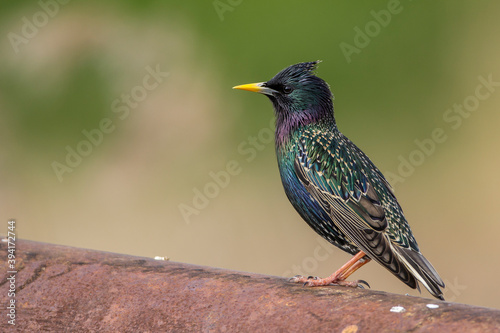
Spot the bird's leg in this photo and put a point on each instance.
(357, 265)
(338, 278)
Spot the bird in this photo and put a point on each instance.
(335, 187)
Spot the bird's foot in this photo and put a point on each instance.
(311, 281)
(339, 277)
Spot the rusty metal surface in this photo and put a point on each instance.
(69, 289)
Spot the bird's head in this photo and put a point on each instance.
(296, 92)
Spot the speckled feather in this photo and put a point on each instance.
(334, 186)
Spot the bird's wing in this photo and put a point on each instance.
(359, 200)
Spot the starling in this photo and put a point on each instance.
(335, 187)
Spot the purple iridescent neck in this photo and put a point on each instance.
(287, 122)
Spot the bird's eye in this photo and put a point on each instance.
(287, 89)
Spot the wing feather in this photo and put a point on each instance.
(354, 193)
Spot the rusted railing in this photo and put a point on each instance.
(59, 288)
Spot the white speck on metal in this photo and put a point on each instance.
(432, 306)
(398, 309)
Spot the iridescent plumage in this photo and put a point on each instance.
(333, 185)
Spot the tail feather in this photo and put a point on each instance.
(422, 270)
(406, 264)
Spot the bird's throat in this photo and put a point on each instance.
(287, 123)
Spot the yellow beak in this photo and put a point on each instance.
(256, 87)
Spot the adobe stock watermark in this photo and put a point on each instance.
(31, 26)
(453, 289)
(121, 107)
(11, 271)
(453, 118)
(219, 180)
(372, 29)
(223, 6)
(310, 264)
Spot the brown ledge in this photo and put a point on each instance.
(61, 288)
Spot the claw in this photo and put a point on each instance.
(300, 279)
(361, 282)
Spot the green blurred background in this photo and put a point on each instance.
(126, 195)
